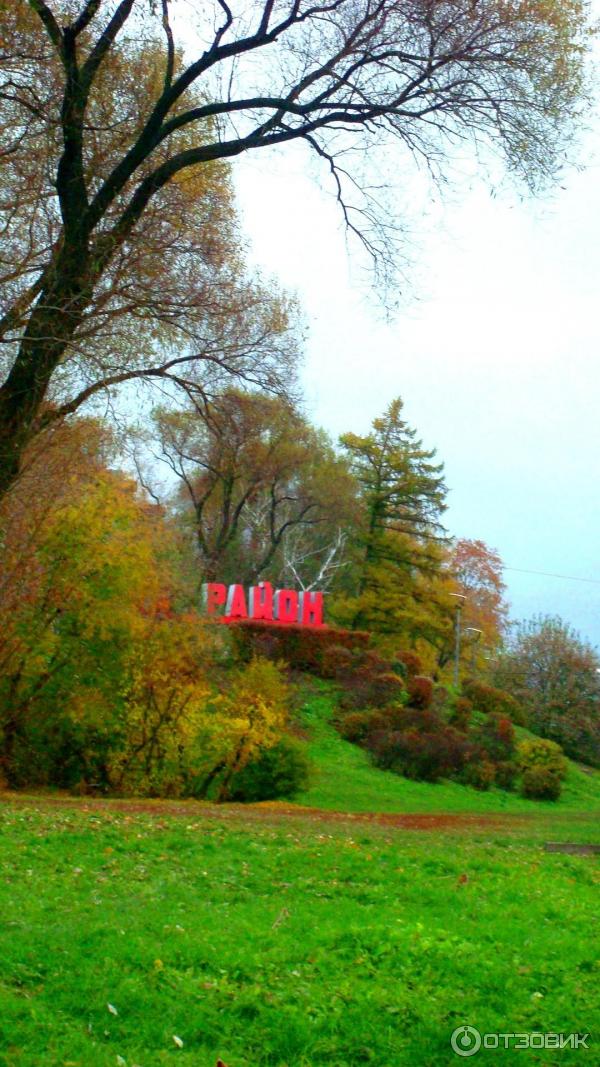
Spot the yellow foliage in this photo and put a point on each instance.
(165, 702)
(251, 714)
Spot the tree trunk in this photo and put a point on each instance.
(55, 318)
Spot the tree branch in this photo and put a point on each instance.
(104, 42)
(87, 15)
(170, 67)
(51, 25)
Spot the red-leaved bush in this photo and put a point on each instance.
(303, 648)
(417, 743)
(412, 663)
(480, 773)
(492, 701)
(420, 691)
(414, 753)
(496, 737)
(369, 681)
(336, 661)
(355, 727)
(460, 716)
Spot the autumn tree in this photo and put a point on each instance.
(59, 465)
(554, 674)
(401, 492)
(177, 309)
(478, 571)
(247, 717)
(253, 474)
(92, 567)
(104, 682)
(473, 570)
(112, 124)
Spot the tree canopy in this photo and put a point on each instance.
(401, 493)
(114, 121)
(261, 487)
(555, 673)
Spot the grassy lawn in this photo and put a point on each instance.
(344, 780)
(273, 937)
(284, 941)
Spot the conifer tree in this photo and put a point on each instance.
(402, 493)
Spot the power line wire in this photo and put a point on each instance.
(548, 574)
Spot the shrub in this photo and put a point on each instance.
(279, 771)
(506, 772)
(386, 688)
(336, 661)
(460, 716)
(540, 753)
(540, 783)
(303, 648)
(399, 668)
(426, 721)
(370, 660)
(356, 726)
(249, 715)
(420, 691)
(543, 766)
(419, 754)
(480, 773)
(370, 682)
(441, 698)
(496, 737)
(72, 755)
(491, 701)
(412, 663)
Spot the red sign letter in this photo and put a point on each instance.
(310, 610)
(261, 601)
(286, 605)
(236, 603)
(213, 596)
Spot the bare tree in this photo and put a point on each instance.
(258, 477)
(339, 75)
(311, 566)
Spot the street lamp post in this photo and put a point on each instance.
(476, 638)
(460, 601)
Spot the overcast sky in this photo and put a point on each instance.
(494, 351)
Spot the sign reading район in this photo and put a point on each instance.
(261, 602)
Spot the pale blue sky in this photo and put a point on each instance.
(494, 351)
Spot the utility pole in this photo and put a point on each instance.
(460, 601)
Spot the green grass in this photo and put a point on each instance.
(344, 779)
(296, 940)
(283, 942)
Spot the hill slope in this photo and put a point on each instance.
(344, 779)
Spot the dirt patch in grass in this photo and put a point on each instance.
(271, 811)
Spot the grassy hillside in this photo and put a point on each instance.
(344, 779)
